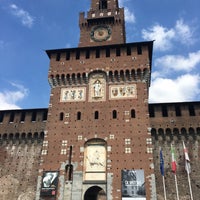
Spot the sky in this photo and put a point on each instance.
(28, 28)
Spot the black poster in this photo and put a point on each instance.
(49, 183)
(133, 185)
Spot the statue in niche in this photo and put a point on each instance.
(97, 88)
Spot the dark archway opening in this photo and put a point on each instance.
(94, 193)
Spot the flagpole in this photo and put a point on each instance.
(191, 195)
(162, 169)
(188, 168)
(174, 170)
(164, 188)
(177, 193)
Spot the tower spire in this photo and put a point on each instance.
(104, 24)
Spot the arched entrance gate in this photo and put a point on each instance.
(95, 193)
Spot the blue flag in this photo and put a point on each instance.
(161, 163)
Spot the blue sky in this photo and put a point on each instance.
(28, 28)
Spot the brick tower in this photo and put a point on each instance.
(97, 142)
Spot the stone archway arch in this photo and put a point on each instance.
(95, 193)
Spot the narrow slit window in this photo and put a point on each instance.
(177, 110)
(97, 53)
(107, 52)
(68, 55)
(191, 110)
(118, 52)
(33, 118)
(1, 116)
(23, 115)
(132, 113)
(114, 114)
(44, 118)
(164, 111)
(58, 57)
(12, 116)
(128, 51)
(77, 55)
(61, 116)
(78, 115)
(139, 50)
(96, 115)
(151, 111)
(87, 54)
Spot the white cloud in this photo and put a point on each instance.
(10, 98)
(183, 88)
(165, 37)
(129, 16)
(184, 32)
(162, 35)
(26, 19)
(179, 62)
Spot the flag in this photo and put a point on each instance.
(173, 160)
(161, 163)
(187, 159)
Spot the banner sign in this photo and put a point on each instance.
(49, 183)
(133, 185)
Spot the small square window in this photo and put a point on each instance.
(109, 148)
(63, 151)
(44, 152)
(112, 137)
(45, 143)
(64, 143)
(148, 141)
(149, 150)
(127, 141)
(80, 137)
(127, 150)
(126, 112)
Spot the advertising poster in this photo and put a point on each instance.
(49, 183)
(133, 185)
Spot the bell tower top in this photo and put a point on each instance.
(103, 25)
(104, 4)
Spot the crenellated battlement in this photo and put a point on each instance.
(175, 121)
(22, 126)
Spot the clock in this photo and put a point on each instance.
(100, 33)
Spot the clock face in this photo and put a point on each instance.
(100, 33)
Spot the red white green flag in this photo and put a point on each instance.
(187, 159)
(173, 160)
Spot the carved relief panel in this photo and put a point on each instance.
(73, 94)
(95, 161)
(122, 91)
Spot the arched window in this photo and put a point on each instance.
(103, 4)
(114, 114)
(132, 113)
